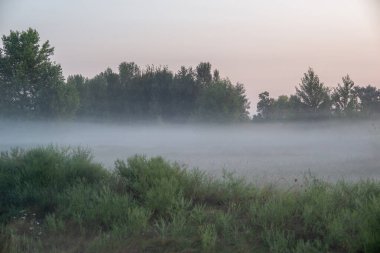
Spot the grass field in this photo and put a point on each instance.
(59, 200)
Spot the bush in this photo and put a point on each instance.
(34, 178)
(151, 205)
(154, 183)
(98, 206)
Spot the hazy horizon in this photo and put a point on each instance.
(264, 45)
(259, 152)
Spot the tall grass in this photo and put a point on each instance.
(59, 200)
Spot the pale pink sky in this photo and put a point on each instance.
(265, 44)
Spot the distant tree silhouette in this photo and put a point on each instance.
(32, 86)
(216, 76)
(204, 76)
(185, 91)
(369, 98)
(221, 101)
(128, 71)
(265, 105)
(313, 94)
(282, 108)
(345, 97)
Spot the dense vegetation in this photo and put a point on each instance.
(32, 86)
(58, 200)
(313, 100)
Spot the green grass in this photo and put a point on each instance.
(59, 200)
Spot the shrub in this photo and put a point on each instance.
(151, 205)
(34, 178)
(153, 182)
(98, 206)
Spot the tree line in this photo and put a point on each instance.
(313, 100)
(32, 86)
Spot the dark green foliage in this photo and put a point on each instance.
(221, 101)
(313, 95)
(31, 85)
(153, 183)
(185, 92)
(128, 71)
(265, 105)
(369, 99)
(55, 200)
(282, 108)
(345, 98)
(31, 179)
(313, 101)
(156, 94)
(204, 76)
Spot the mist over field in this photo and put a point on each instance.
(268, 152)
(190, 126)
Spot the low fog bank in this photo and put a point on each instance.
(259, 152)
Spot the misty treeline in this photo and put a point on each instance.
(33, 86)
(314, 100)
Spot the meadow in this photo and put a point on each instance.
(57, 199)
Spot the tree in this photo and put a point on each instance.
(115, 93)
(67, 102)
(265, 105)
(313, 94)
(30, 81)
(97, 97)
(184, 92)
(161, 98)
(344, 97)
(81, 85)
(204, 76)
(216, 76)
(369, 99)
(281, 107)
(296, 108)
(241, 102)
(128, 71)
(222, 102)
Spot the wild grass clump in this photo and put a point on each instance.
(59, 200)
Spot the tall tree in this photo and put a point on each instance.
(98, 97)
(222, 102)
(30, 81)
(344, 97)
(184, 92)
(128, 71)
(216, 76)
(161, 98)
(204, 76)
(115, 93)
(265, 105)
(313, 94)
(81, 85)
(67, 103)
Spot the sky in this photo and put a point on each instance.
(265, 44)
